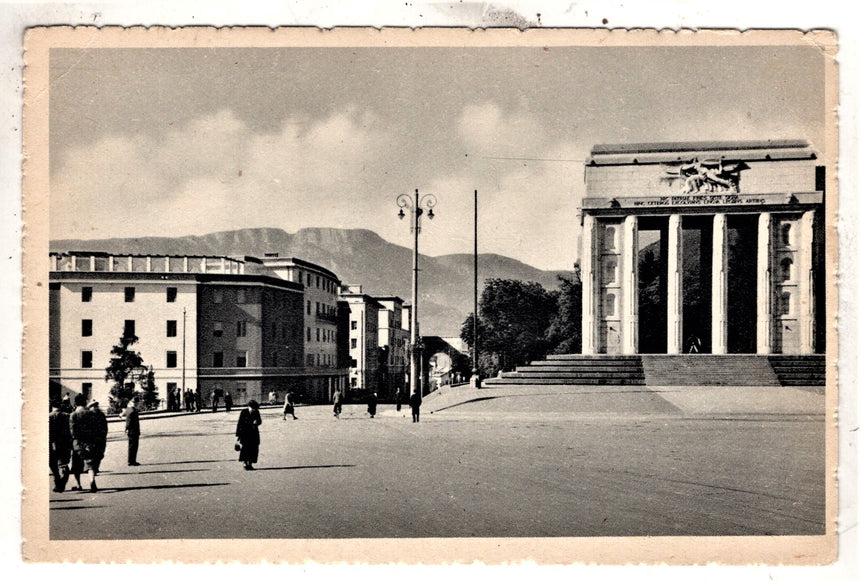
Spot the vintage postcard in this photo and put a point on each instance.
(430, 296)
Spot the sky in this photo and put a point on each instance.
(172, 142)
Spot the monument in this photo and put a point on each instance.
(703, 248)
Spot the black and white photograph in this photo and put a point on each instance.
(551, 293)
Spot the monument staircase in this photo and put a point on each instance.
(661, 370)
(799, 369)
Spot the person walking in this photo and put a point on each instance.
(371, 404)
(132, 430)
(66, 405)
(415, 404)
(198, 401)
(60, 446)
(228, 402)
(398, 399)
(289, 408)
(248, 435)
(338, 406)
(214, 401)
(88, 427)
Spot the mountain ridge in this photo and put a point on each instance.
(356, 256)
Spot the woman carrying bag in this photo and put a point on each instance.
(248, 435)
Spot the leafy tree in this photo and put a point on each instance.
(514, 318)
(565, 330)
(150, 391)
(124, 363)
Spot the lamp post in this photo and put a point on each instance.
(416, 207)
(476, 374)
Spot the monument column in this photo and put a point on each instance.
(764, 293)
(806, 303)
(719, 290)
(589, 284)
(674, 290)
(630, 287)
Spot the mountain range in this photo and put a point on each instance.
(356, 256)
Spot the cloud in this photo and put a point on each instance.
(488, 130)
(215, 173)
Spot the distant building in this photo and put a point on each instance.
(363, 338)
(393, 340)
(320, 321)
(204, 323)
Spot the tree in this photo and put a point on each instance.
(124, 363)
(565, 330)
(150, 390)
(514, 318)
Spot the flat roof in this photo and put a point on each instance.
(673, 151)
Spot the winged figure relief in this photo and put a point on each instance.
(705, 176)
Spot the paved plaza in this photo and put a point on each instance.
(507, 462)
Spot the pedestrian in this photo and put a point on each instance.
(132, 430)
(88, 426)
(336, 400)
(228, 402)
(214, 401)
(273, 397)
(248, 435)
(398, 399)
(694, 343)
(60, 445)
(289, 408)
(189, 400)
(198, 401)
(415, 404)
(66, 405)
(371, 404)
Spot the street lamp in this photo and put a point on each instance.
(416, 207)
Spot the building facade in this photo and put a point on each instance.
(320, 322)
(703, 247)
(393, 339)
(205, 324)
(363, 339)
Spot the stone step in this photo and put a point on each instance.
(496, 381)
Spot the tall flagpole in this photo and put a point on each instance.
(476, 378)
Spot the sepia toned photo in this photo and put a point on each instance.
(430, 296)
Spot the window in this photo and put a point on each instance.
(300, 278)
(217, 295)
(171, 359)
(309, 308)
(318, 281)
(309, 333)
(241, 359)
(353, 325)
(318, 334)
(86, 359)
(86, 294)
(310, 359)
(217, 328)
(218, 359)
(171, 294)
(128, 328)
(241, 296)
(171, 328)
(353, 343)
(86, 327)
(129, 294)
(241, 328)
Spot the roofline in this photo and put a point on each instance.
(300, 262)
(168, 277)
(693, 146)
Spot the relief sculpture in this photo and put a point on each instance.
(705, 176)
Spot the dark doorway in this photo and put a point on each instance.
(697, 233)
(742, 283)
(653, 236)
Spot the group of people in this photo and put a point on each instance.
(78, 434)
(77, 440)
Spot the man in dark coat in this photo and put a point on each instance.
(371, 404)
(248, 434)
(132, 430)
(415, 404)
(228, 401)
(88, 427)
(60, 446)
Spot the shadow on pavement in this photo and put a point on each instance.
(188, 462)
(157, 487)
(305, 467)
(160, 471)
(75, 507)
